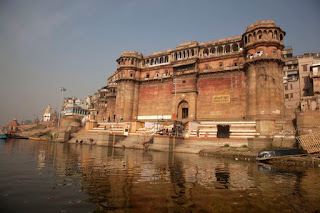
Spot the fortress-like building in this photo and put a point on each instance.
(231, 79)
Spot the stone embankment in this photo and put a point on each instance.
(235, 150)
(235, 153)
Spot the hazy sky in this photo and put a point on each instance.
(48, 44)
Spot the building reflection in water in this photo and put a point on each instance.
(118, 179)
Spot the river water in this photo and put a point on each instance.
(55, 177)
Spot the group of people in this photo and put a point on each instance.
(81, 141)
(174, 131)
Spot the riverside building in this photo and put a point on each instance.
(226, 82)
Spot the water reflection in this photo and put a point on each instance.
(105, 179)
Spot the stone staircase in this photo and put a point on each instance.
(112, 128)
(144, 131)
(238, 129)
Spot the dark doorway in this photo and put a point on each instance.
(223, 131)
(184, 112)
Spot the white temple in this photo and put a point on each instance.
(47, 114)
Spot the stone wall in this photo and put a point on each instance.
(308, 121)
(231, 85)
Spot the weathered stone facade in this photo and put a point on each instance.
(237, 78)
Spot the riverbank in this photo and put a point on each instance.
(235, 149)
(236, 153)
(307, 160)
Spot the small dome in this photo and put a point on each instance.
(13, 123)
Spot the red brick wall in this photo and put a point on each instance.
(155, 98)
(233, 84)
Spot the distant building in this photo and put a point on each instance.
(308, 76)
(291, 79)
(315, 76)
(104, 102)
(75, 108)
(305, 62)
(13, 126)
(47, 114)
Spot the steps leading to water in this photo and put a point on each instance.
(238, 129)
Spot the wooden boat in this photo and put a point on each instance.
(38, 139)
(3, 136)
(17, 136)
(278, 153)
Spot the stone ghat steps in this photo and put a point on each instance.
(238, 129)
(111, 131)
(143, 131)
(112, 128)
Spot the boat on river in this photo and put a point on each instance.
(15, 136)
(3, 136)
(278, 153)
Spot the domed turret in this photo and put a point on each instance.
(263, 43)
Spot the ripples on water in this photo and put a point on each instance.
(55, 177)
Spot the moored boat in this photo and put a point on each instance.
(3, 136)
(15, 136)
(278, 153)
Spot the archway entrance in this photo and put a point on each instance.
(183, 111)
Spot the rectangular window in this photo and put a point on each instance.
(184, 112)
(291, 86)
(305, 67)
(286, 87)
(286, 96)
(291, 95)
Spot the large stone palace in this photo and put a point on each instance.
(237, 78)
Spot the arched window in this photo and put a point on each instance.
(161, 60)
(220, 50)
(166, 59)
(259, 34)
(245, 40)
(235, 47)
(264, 36)
(227, 48)
(281, 37)
(187, 53)
(151, 62)
(205, 52)
(270, 34)
(192, 52)
(175, 56)
(212, 50)
(250, 38)
(276, 34)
